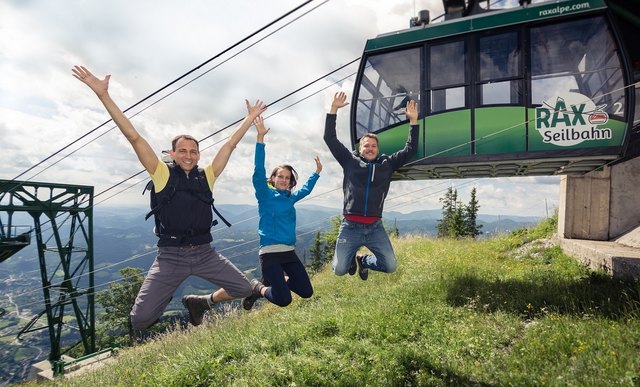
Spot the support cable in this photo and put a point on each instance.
(168, 85)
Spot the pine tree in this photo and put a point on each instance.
(316, 252)
(324, 245)
(452, 223)
(457, 224)
(331, 237)
(393, 230)
(447, 213)
(458, 220)
(472, 228)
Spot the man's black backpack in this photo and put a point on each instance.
(172, 184)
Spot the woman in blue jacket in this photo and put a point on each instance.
(281, 268)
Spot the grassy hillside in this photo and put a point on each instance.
(455, 313)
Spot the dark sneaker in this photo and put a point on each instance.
(196, 306)
(136, 336)
(247, 303)
(256, 287)
(363, 272)
(353, 267)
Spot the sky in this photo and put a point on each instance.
(147, 44)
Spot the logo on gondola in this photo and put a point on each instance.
(571, 118)
(599, 117)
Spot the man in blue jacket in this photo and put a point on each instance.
(367, 176)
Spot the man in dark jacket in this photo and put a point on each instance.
(367, 176)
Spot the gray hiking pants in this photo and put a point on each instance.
(171, 267)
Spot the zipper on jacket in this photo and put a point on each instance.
(366, 191)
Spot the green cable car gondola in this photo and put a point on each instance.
(540, 90)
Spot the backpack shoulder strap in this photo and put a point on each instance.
(220, 215)
(171, 185)
(149, 187)
(202, 179)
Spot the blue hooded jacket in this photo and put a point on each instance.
(275, 207)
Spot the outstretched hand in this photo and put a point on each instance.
(99, 86)
(318, 165)
(412, 112)
(262, 130)
(339, 101)
(256, 109)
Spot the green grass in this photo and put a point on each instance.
(457, 312)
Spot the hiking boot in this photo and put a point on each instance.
(247, 302)
(196, 306)
(353, 267)
(363, 272)
(256, 287)
(136, 336)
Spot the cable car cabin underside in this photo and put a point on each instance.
(542, 167)
(542, 90)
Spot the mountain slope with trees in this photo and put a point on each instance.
(457, 312)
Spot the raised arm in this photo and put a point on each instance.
(259, 173)
(339, 101)
(222, 157)
(310, 183)
(403, 156)
(412, 112)
(143, 150)
(260, 128)
(338, 150)
(318, 165)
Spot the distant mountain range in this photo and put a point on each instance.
(312, 217)
(121, 232)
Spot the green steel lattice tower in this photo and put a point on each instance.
(63, 225)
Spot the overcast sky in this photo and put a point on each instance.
(147, 44)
